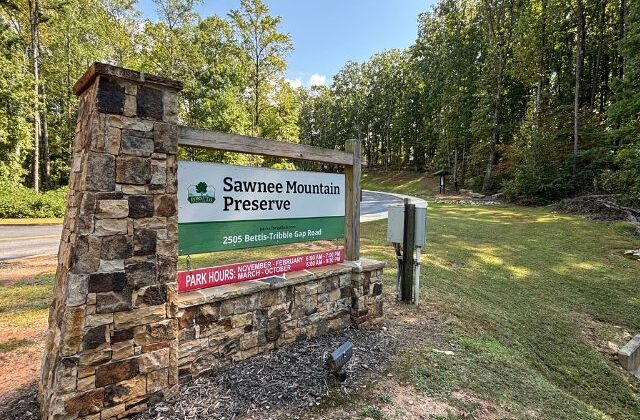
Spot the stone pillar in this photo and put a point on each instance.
(112, 343)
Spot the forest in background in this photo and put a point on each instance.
(538, 99)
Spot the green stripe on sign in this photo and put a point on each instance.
(194, 238)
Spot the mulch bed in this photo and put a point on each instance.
(290, 377)
(293, 377)
(22, 406)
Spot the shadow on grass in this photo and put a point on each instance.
(26, 303)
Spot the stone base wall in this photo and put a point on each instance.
(226, 324)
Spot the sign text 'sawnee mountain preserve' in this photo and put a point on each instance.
(232, 207)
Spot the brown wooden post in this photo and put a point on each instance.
(352, 202)
(408, 246)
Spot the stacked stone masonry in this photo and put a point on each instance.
(226, 324)
(120, 337)
(111, 346)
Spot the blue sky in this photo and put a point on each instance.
(328, 33)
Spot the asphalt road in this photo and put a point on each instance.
(20, 241)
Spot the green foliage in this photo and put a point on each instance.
(264, 51)
(212, 56)
(386, 397)
(626, 178)
(16, 97)
(19, 202)
(625, 115)
(487, 89)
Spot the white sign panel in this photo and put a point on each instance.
(278, 206)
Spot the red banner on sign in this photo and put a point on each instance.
(232, 273)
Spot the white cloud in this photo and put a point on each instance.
(294, 83)
(317, 80)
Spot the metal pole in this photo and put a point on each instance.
(397, 248)
(416, 298)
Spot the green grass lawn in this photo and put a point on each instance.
(531, 299)
(401, 182)
(528, 295)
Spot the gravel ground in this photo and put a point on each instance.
(292, 377)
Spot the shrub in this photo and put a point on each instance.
(19, 202)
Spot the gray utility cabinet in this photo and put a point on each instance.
(395, 224)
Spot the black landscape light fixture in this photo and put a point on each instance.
(337, 359)
(442, 173)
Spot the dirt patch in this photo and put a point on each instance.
(407, 403)
(479, 408)
(18, 372)
(604, 337)
(15, 271)
(35, 334)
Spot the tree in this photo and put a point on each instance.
(580, 31)
(625, 113)
(34, 52)
(201, 187)
(16, 97)
(265, 50)
(500, 17)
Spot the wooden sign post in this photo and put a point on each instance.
(408, 245)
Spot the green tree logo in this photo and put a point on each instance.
(201, 188)
(201, 193)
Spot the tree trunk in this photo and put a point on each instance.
(622, 12)
(34, 21)
(46, 156)
(541, 63)
(595, 75)
(369, 151)
(69, 101)
(455, 166)
(254, 120)
(464, 163)
(604, 82)
(45, 142)
(495, 132)
(579, 62)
